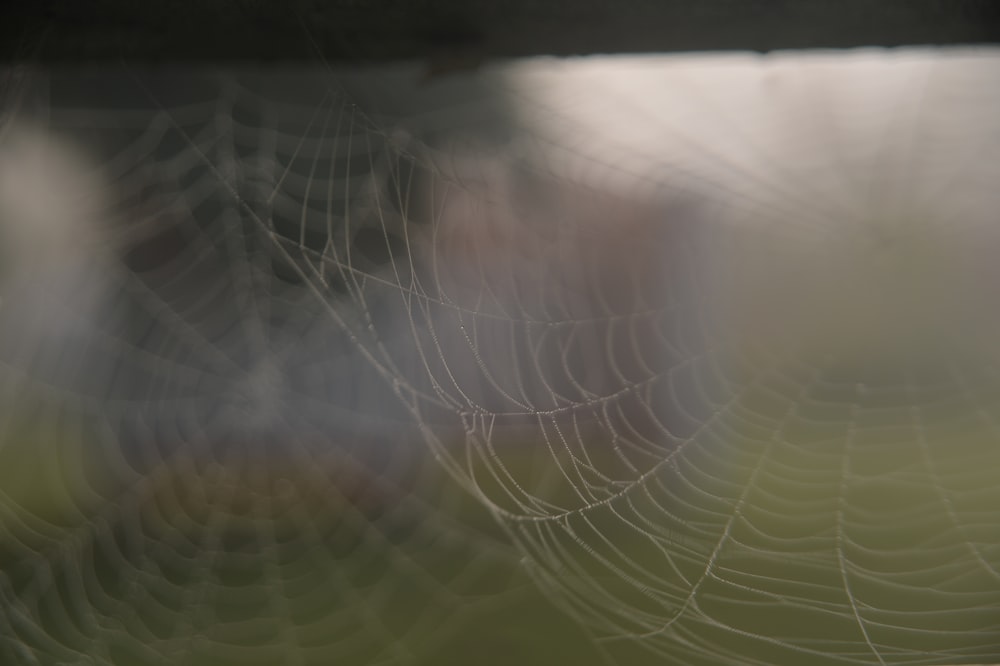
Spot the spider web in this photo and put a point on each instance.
(712, 339)
(198, 465)
(734, 388)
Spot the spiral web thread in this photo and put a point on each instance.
(787, 450)
(725, 373)
(198, 465)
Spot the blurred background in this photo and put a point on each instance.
(615, 359)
